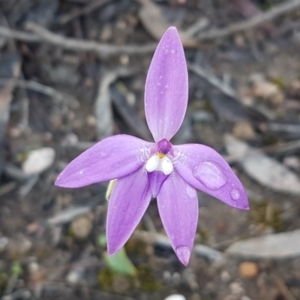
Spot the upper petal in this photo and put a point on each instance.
(206, 170)
(166, 91)
(178, 208)
(111, 158)
(127, 204)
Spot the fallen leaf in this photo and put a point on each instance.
(38, 161)
(262, 168)
(271, 246)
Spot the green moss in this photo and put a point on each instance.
(267, 214)
(204, 235)
(105, 279)
(270, 139)
(147, 280)
(3, 280)
(207, 106)
(135, 247)
(278, 82)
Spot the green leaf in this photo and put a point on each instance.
(119, 263)
(16, 268)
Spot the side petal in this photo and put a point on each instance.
(127, 204)
(178, 208)
(166, 91)
(206, 170)
(111, 158)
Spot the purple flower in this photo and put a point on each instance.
(144, 170)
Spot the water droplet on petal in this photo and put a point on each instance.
(235, 194)
(210, 174)
(183, 253)
(190, 192)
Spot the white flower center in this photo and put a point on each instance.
(159, 162)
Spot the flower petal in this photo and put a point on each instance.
(166, 91)
(206, 170)
(178, 208)
(127, 204)
(111, 158)
(156, 179)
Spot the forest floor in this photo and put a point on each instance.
(73, 72)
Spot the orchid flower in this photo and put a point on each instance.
(161, 170)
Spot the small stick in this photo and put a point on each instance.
(273, 13)
(283, 288)
(41, 34)
(213, 80)
(80, 12)
(40, 88)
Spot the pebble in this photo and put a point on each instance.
(268, 91)
(73, 277)
(292, 162)
(38, 161)
(175, 297)
(248, 269)
(225, 276)
(81, 227)
(236, 289)
(244, 131)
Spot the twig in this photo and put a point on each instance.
(40, 88)
(80, 12)
(41, 34)
(213, 80)
(23, 123)
(253, 22)
(284, 291)
(7, 188)
(103, 107)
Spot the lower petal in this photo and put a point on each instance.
(156, 179)
(178, 208)
(127, 204)
(205, 169)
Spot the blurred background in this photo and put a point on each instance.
(72, 72)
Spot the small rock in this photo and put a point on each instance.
(294, 88)
(71, 139)
(292, 162)
(124, 59)
(33, 267)
(81, 227)
(225, 276)
(248, 269)
(236, 289)
(268, 91)
(175, 297)
(38, 161)
(245, 298)
(91, 121)
(74, 276)
(243, 131)
(19, 245)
